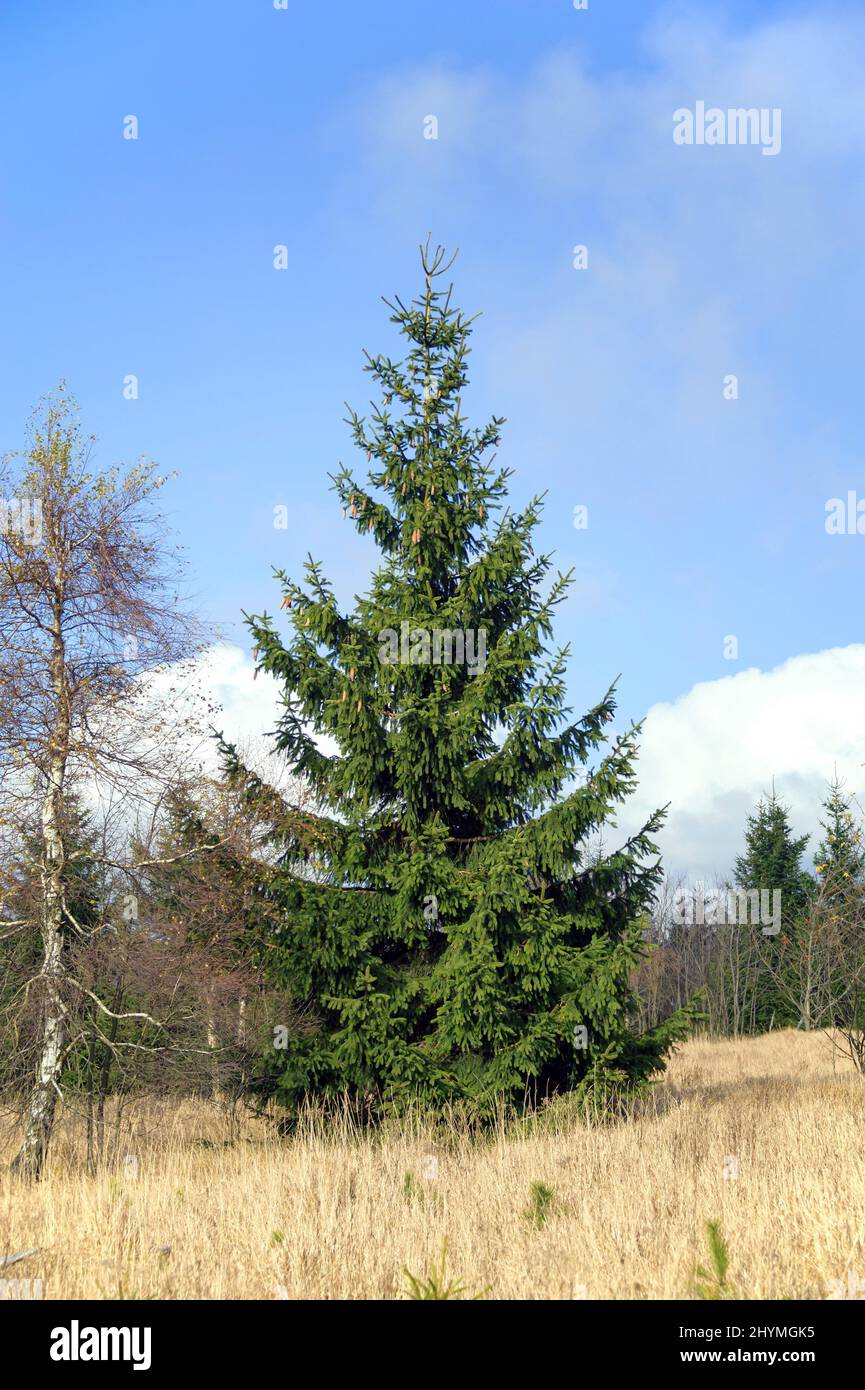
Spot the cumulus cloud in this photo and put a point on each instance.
(710, 754)
(715, 750)
(249, 704)
(220, 691)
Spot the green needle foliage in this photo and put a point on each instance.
(841, 855)
(540, 1204)
(447, 923)
(772, 862)
(437, 1288)
(712, 1283)
(772, 857)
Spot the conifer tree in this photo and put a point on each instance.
(89, 893)
(841, 854)
(206, 895)
(446, 917)
(772, 862)
(773, 857)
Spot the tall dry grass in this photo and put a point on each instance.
(333, 1215)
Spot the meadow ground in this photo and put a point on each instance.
(763, 1135)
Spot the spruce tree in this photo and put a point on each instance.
(773, 857)
(447, 917)
(840, 855)
(206, 895)
(772, 862)
(87, 904)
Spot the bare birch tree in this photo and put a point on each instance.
(90, 605)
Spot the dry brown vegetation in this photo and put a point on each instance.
(216, 1213)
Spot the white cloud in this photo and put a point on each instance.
(218, 691)
(712, 752)
(249, 704)
(243, 707)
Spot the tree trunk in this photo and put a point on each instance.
(42, 1104)
(213, 1045)
(41, 1107)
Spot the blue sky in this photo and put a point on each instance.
(304, 127)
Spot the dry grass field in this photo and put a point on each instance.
(764, 1135)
